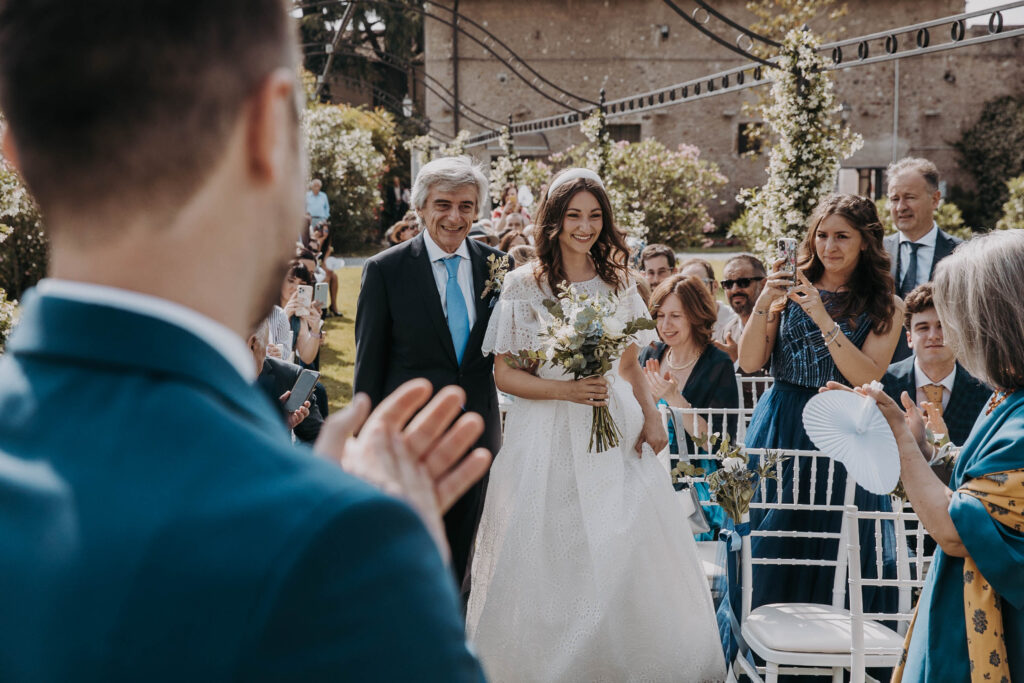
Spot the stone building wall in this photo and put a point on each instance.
(620, 45)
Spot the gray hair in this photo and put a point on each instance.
(977, 296)
(924, 167)
(448, 174)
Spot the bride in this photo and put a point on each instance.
(585, 566)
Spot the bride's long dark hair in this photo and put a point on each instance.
(609, 251)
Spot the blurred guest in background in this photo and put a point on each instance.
(703, 271)
(658, 262)
(316, 203)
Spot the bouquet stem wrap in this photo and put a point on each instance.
(604, 433)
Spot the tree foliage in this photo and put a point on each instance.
(992, 152)
(1013, 208)
(24, 246)
(351, 150)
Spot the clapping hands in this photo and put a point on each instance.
(411, 453)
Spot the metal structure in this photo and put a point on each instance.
(843, 54)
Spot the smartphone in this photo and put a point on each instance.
(305, 296)
(787, 250)
(302, 389)
(321, 292)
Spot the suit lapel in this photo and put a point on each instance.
(943, 248)
(892, 245)
(422, 274)
(478, 261)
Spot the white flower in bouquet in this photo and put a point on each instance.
(614, 327)
(733, 464)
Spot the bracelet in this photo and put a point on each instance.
(831, 336)
(760, 312)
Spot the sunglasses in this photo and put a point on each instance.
(742, 282)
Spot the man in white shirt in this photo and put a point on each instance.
(919, 245)
(703, 271)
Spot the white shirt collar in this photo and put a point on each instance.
(922, 379)
(435, 253)
(222, 339)
(928, 240)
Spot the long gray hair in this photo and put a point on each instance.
(977, 294)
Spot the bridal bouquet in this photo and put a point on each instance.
(584, 337)
(733, 484)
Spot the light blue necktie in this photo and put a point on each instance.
(458, 315)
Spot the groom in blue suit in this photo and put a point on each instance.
(156, 523)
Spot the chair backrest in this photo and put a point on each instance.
(911, 570)
(721, 420)
(750, 391)
(811, 486)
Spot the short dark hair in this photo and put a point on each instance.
(918, 301)
(750, 259)
(301, 272)
(697, 261)
(656, 250)
(116, 104)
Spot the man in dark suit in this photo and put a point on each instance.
(422, 312)
(158, 524)
(950, 397)
(919, 245)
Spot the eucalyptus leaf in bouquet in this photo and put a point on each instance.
(734, 483)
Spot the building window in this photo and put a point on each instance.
(749, 136)
(869, 182)
(624, 132)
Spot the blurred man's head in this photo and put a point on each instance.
(913, 196)
(743, 279)
(129, 120)
(700, 269)
(316, 185)
(658, 262)
(924, 330)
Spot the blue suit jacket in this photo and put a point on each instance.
(157, 525)
(966, 401)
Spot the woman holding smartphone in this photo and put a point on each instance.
(835, 319)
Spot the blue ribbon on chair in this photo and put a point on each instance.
(728, 624)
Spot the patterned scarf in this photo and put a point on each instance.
(1003, 494)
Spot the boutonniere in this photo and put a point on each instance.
(498, 269)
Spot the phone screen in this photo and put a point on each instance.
(321, 293)
(302, 390)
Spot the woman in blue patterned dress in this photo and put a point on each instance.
(839, 321)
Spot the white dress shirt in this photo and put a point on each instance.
(925, 255)
(921, 379)
(725, 318)
(218, 336)
(436, 256)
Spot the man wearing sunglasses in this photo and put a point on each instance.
(743, 279)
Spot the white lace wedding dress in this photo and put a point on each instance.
(585, 566)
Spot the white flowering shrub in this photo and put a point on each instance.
(350, 151)
(810, 143)
(23, 243)
(658, 194)
(505, 169)
(1013, 209)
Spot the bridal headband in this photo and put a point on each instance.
(574, 174)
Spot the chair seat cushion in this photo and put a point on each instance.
(809, 627)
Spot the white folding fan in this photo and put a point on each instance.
(851, 429)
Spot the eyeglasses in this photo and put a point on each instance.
(741, 282)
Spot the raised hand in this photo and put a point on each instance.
(933, 418)
(295, 417)
(662, 386)
(775, 287)
(730, 346)
(808, 298)
(413, 454)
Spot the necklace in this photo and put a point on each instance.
(994, 402)
(684, 366)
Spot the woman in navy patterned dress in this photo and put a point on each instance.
(838, 321)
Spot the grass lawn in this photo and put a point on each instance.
(338, 356)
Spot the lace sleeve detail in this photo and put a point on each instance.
(516, 319)
(633, 307)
